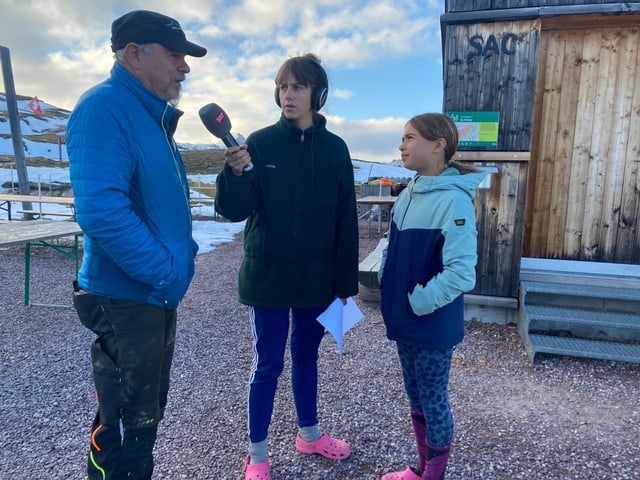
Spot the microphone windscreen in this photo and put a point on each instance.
(218, 123)
(215, 119)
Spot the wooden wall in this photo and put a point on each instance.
(492, 67)
(565, 77)
(499, 221)
(474, 5)
(584, 189)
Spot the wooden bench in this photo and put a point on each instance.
(9, 198)
(196, 202)
(201, 200)
(368, 273)
(40, 233)
(40, 213)
(499, 309)
(385, 201)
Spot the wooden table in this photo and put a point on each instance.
(8, 198)
(39, 233)
(380, 200)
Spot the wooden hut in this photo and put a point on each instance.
(547, 93)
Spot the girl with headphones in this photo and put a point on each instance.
(301, 250)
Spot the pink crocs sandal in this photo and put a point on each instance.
(407, 474)
(258, 471)
(325, 446)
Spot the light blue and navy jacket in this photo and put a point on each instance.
(131, 194)
(430, 260)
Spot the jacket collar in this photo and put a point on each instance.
(157, 107)
(449, 179)
(319, 123)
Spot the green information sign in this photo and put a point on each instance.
(476, 129)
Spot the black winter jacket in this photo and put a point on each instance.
(301, 236)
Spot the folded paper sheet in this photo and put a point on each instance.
(339, 318)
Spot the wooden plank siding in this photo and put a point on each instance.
(488, 67)
(628, 240)
(576, 156)
(583, 186)
(491, 67)
(624, 52)
(565, 78)
(499, 221)
(475, 5)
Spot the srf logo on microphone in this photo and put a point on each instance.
(220, 118)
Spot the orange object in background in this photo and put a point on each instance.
(381, 181)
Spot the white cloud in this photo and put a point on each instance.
(375, 139)
(341, 93)
(257, 18)
(59, 49)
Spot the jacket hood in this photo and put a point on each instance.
(449, 179)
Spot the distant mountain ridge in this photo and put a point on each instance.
(53, 120)
(44, 143)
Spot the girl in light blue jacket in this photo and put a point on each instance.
(427, 266)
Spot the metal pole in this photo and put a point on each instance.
(61, 130)
(14, 122)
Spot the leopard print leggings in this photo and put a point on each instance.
(426, 376)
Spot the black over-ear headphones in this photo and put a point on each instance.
(319, 93)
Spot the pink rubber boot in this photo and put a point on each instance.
(437, 458)
(419, 425)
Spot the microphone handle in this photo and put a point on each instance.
(229, 141)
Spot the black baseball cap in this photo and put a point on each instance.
(144, 26)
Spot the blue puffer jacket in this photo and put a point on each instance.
(430, 260)
(131, 194)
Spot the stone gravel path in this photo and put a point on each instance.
(562, 419)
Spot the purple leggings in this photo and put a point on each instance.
(270, 328)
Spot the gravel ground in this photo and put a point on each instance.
(560, 419)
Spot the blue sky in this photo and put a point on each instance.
(383, 58)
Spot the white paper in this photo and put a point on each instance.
(339, 318)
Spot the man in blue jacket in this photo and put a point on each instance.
(132, 203)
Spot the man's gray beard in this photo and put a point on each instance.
(175, 101)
